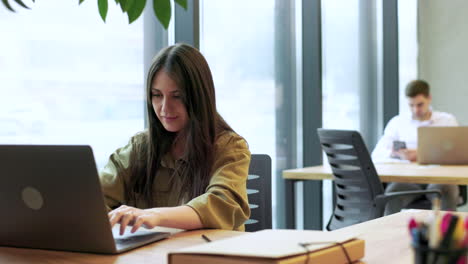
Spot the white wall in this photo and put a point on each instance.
(443, 54)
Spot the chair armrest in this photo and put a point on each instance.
(382, 199)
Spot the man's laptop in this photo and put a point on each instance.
(443, 145)
(51, 198)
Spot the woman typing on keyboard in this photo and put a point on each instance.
(189, 169)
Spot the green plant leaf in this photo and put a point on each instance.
(103, 6)
(135, 10)
(81, 1)
(162, 9)
(122, 4)
(19, 2)
(7, 5)
(182, 3)
(127, 4)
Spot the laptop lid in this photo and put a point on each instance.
(54, 200)
(442, 145)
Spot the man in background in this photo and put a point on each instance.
(400, 141)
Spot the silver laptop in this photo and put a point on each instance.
(443, 145)
(51, 198)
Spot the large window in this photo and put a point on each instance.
(407, 47)
(340, 32)
(238, 43)
(340, 67)
(68, 78)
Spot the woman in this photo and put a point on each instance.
(189, 169)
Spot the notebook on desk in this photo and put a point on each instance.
(443, 145)
(275, 247)
(51, 198)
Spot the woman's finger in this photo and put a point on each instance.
(138, 222)
(120, 208)
(115, 218)
(148, 220)
(116, 215)
(124, 220)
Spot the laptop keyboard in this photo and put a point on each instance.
(125, 239)
(139, 237)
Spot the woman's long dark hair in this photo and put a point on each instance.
(189, 69)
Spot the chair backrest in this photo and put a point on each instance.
(259, 193)
(355, 177)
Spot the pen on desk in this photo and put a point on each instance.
(445, 223)
(447, 227)
(206, 238)
(447, 239)
(459, 233)
(415, 236)
(412, 224)
(424, 230)
(433, 225)
(464, 243)
(459, 243)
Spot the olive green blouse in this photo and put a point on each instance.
(224, 204)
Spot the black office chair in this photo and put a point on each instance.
(359, 193)
(424, 203)
(463, 195)
(259, 193)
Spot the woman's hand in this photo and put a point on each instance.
(182, 217)
(127, 215)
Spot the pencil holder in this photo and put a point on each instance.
(426, 255)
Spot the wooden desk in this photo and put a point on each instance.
(387, 238)
(394, 172)
(388, 172)
(152, 253)
(387, 242)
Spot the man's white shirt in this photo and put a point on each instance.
(405, 128)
